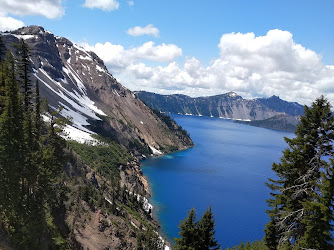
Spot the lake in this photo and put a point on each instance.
(227, 169)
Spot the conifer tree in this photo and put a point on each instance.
(23, 66)
(187, 232)
(197, 235)
(11, 147)
(301, 212)
(206, 227)
(2, 75)
(31, 156)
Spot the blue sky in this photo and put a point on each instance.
(185, 41)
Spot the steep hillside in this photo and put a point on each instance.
(229, 106)
(79, 81)
(94, 193)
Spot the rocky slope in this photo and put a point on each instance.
(78, 80)
(106, 193)
(228, 106)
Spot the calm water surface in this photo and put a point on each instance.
(226, 169)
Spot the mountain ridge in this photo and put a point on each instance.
(255, 112)
(79, 81)
(229, 105)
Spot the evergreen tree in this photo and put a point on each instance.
(188, 233)
(23, 65)
(206, 227)
(2, 75)
(11, 148)
(302, 196)
(197, 235)
(31, 157)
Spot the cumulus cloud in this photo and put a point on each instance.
(47, 8)
(9, 23)
(131, 3)
(147, 30)
(273, 64)
(118, 58)
(106, 5)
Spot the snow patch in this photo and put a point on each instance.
(73, 133)
(155, 151)
(85, 58)
(24, 37)
(133, 224)
(99, 68)
(115, 92)
(232, 94)
(85, 107)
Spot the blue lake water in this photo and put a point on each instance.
(227, 169)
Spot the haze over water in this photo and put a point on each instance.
(227, 169)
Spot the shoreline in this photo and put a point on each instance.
(154, 212)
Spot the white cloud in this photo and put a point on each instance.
(273, 64)
(131, 3)
(147, 30)
(9, 23)
(47, 8)
(118, 58)
(159, 53)
(106, 5)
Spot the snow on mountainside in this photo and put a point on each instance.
(79, 81)
(227, 106)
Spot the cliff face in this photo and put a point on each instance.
(229, 106)
(78, 80)
(104, 193)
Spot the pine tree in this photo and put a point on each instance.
(206, 227)
(197, 235)
(31, 157)
(23, 65)
(2, 75)
(11, 147)
(188, 233)
(300, 212)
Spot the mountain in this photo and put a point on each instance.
(283, 122)
(79, 81)
(100, 199)
(228, 106)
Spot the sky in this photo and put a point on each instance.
(256, 48)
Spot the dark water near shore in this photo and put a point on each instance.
(226, 169)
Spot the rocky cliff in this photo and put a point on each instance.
(228, 106)
(79, 81)
(104, 193)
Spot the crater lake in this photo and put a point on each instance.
(226, 169)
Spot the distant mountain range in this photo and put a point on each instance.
(273, 112)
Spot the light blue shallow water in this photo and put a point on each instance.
(226, 169)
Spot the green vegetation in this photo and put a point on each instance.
(104, 159)
(301, 213)
(31, 158)
(172, 125)
(197, 235)
(257, 245)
